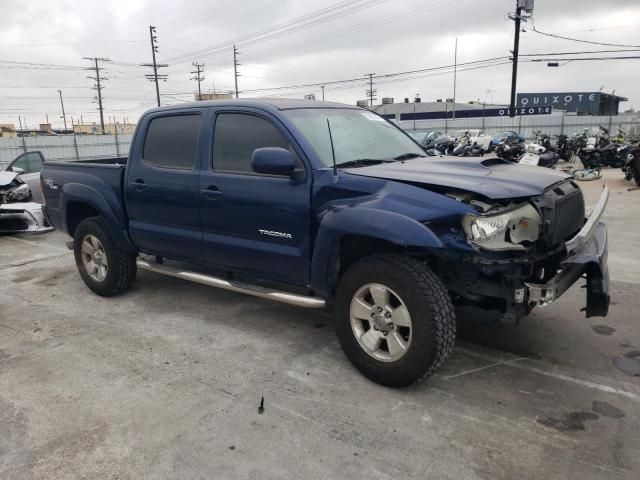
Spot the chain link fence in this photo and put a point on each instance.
(65, 147)
(527, 125)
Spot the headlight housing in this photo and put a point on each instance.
(507, 230)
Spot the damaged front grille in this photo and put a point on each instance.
(563, 212)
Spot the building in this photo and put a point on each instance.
(214, 96)
(581, 103)
(8, 130)
(109, 128)
(440, 109)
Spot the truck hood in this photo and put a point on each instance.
(493, 178)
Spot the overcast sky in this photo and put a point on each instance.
(362, 36)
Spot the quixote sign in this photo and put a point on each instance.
(505, 112)
(588, 102)
(475, 113)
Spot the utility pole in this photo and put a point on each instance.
(371, 92)
(516, 45)
(99, 83)
(235, 67)
(611, 110)
(24, 142)
(64, 117)
(455, 74)
(154, 77)
(198, 77)
(322, 87)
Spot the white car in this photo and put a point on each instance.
(28, 166)
(479, 137)
(17, 212)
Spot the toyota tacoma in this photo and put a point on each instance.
(320, 204)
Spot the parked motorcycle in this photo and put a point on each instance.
(564, 148)
(631, 166)
(604, 153)
(509, 150)
(466, 148)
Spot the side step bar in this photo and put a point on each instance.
(256, 291)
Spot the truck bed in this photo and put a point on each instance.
(77, 178)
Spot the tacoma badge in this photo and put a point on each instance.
(271, 233)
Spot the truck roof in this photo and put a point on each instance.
(277, 103)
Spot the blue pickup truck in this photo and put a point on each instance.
(320, 204)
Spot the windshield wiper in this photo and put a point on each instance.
(362, 162)
(407, 156)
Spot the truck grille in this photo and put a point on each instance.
(563, 212)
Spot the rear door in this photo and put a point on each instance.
(255, 223)
(162, 185)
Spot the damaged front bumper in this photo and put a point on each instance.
(23, 217)
(587, 255)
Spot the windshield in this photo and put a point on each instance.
(357, 135)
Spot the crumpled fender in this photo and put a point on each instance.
(393, 213)
(369, 222)
(106, 203)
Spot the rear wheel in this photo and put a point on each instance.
(104, 267)
(395, 321)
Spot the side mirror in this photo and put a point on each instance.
(273, 161)
(17, 170)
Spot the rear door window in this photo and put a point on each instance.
(172, 141)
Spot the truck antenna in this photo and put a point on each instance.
(333, 152)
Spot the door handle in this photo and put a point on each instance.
(211, 192)
(138, 184)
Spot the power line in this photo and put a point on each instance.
(578, 53)
(582, 59)
(37, 66)
(378, 77)
(358, 27)
(305, 21)
(583, 41)
(29, 45)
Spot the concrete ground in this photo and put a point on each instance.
(165, 382)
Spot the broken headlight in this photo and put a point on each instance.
(19, 193)
(508, 230)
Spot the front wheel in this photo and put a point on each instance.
(394, 319)
(104, 267)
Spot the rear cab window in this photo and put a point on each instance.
(172, 141)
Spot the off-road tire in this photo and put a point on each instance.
(432, 317)
(121, 272)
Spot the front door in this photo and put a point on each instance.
(31, 164)
(255, 223)
(162, 187)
